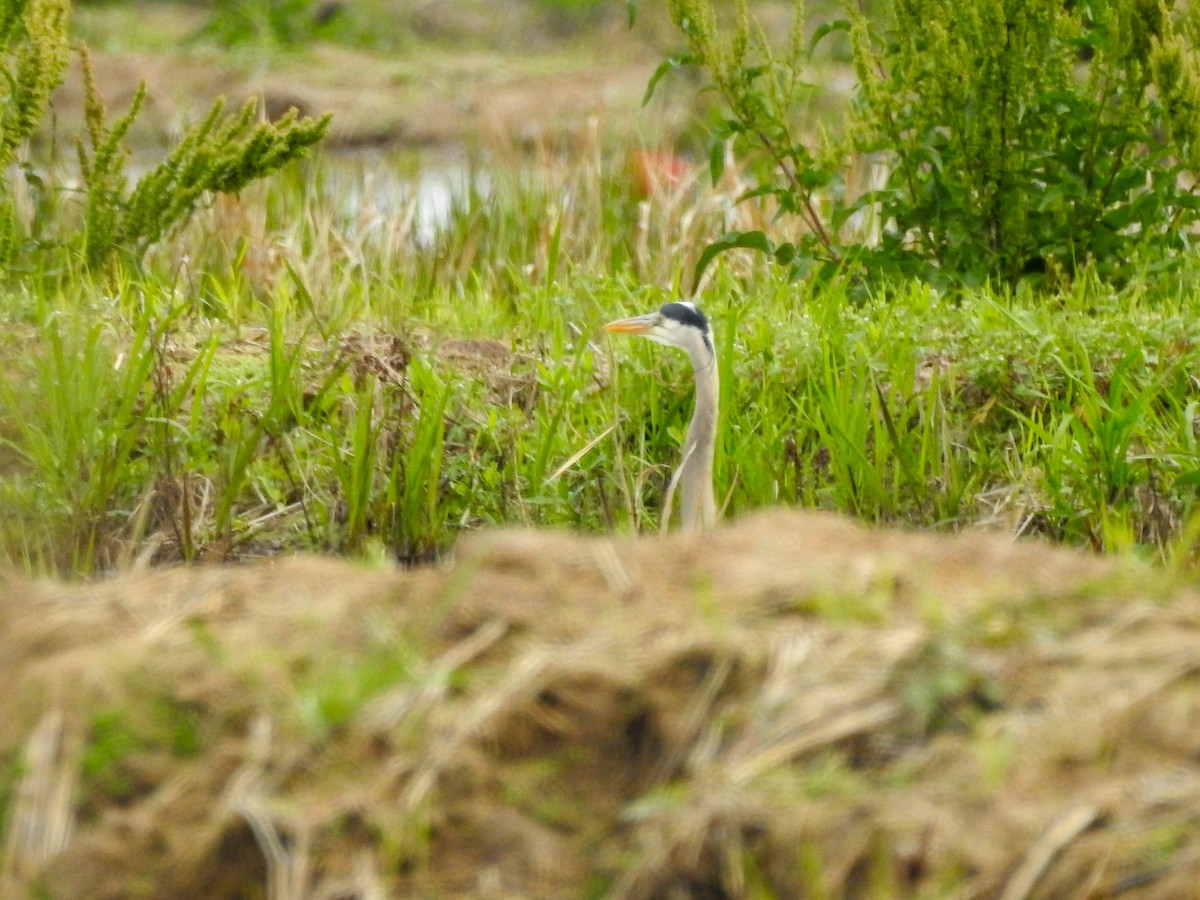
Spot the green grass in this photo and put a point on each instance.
(279, 377)
(117, 736)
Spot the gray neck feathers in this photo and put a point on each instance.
(696, 481)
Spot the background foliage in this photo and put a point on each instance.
(987, 143)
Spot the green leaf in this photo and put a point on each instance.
(748, 240)
(800, 266)
(785, 253)
(764, 190)
(716, 160)
(667, 65)
(825, 30)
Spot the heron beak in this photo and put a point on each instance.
(636, 325)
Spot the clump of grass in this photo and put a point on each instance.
(116, 736)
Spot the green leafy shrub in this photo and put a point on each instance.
(761, 90)
(33, 56)
(221, 154)
(1034, 136)
(33, 34)
(1018, 137)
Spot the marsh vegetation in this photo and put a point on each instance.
(326, 361)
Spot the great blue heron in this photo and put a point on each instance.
(682, 325)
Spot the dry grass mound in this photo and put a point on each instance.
(792, 706)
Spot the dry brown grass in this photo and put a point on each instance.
(792, 706)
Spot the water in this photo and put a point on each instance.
(418, 191)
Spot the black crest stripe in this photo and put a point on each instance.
(685, 314)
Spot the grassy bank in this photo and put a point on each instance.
(313, 367)
(793, 706)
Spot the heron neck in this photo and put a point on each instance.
(696, 481)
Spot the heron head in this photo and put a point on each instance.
(678, 324)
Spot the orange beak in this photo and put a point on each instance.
(635, 325)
